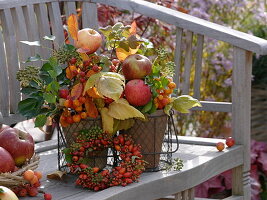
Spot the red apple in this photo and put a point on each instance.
(63, 93)
(3, 127)
(136, 67)
(89, 40)
(7, 163)
(137, 92)
(230, 142)
(7, 194)
(18, 143)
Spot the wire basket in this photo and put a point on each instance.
(158, 138)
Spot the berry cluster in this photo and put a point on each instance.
(30, 189)
(128, 171)
(79, 72)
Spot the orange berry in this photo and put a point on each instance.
(76, 118)
(38, 174)
(28, 175)
(73, 68)
(160, 97)
(76, 103)
(34, 180)
(172, 85)
(68, 103)
(220, 146)
(83, 115)
(82, 100)
(79, 108)
(168, 91)
(155, 100)
(165, 101)
(69, 120)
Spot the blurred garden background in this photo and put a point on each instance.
(249, 16)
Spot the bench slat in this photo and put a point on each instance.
(177, 55)
(12, 61)
(198, 65)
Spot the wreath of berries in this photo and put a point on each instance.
(90, 143)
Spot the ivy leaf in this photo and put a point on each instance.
(40, 120)
(27, 107)
(28, 90)
(53, 87)
(51, 37)
(50, 98)
(46, 67)
(37, 57)
(53, 61)
(34, 43)
(183, 103)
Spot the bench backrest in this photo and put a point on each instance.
(32, 19)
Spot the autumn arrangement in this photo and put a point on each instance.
(117, 87)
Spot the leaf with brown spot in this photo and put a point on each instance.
(57, 175)
(76, 91)
(72, 23)
(91, 109)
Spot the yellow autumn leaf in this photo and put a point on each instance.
(122, 54)
(107, 121)
(84, 56)
(111, 87)
(122, 110)
(72, 23)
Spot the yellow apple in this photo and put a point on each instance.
(89, 40)
(7, 194)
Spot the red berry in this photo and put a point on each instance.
(82, 74)
(115, 62)
(73, 61)
(230, 142)
(32, 191)
(82, 80)
(47, 196)
(95, 68)
(63, 93)
(220, 146)
(75, 158)
(23, 192)
(95, 169)
(86, 63)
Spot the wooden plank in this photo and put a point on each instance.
(45, 146)
(177, 55)
(191, 194)
(4, 87)
(241, 98)
(193, 24)
(178, 196)
(21, 35)
(214, 106)
(16, 3)
(12, 59)
(89, 15)
(198, 65)
(32, 28)
(56, 23)
(188, 62)
(185, 195)
(44, 28)
(234, 198)
(13, 119)
(198, 140)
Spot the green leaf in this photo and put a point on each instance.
(153, 109)
(106, 30)
(134, 42)
(183, 103)
(28, 90)
(37, 57)
(34, 43)
(27, 107)
(117, 26)
(40, 120)
(53, 87)
(147, 107)
(68, 156)
(1, 190)
(124, 45)
(34, 84)
(46, 67)
(50, 98)
(53, 73)
(51, 37)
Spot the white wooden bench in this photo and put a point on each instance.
(29, 20)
